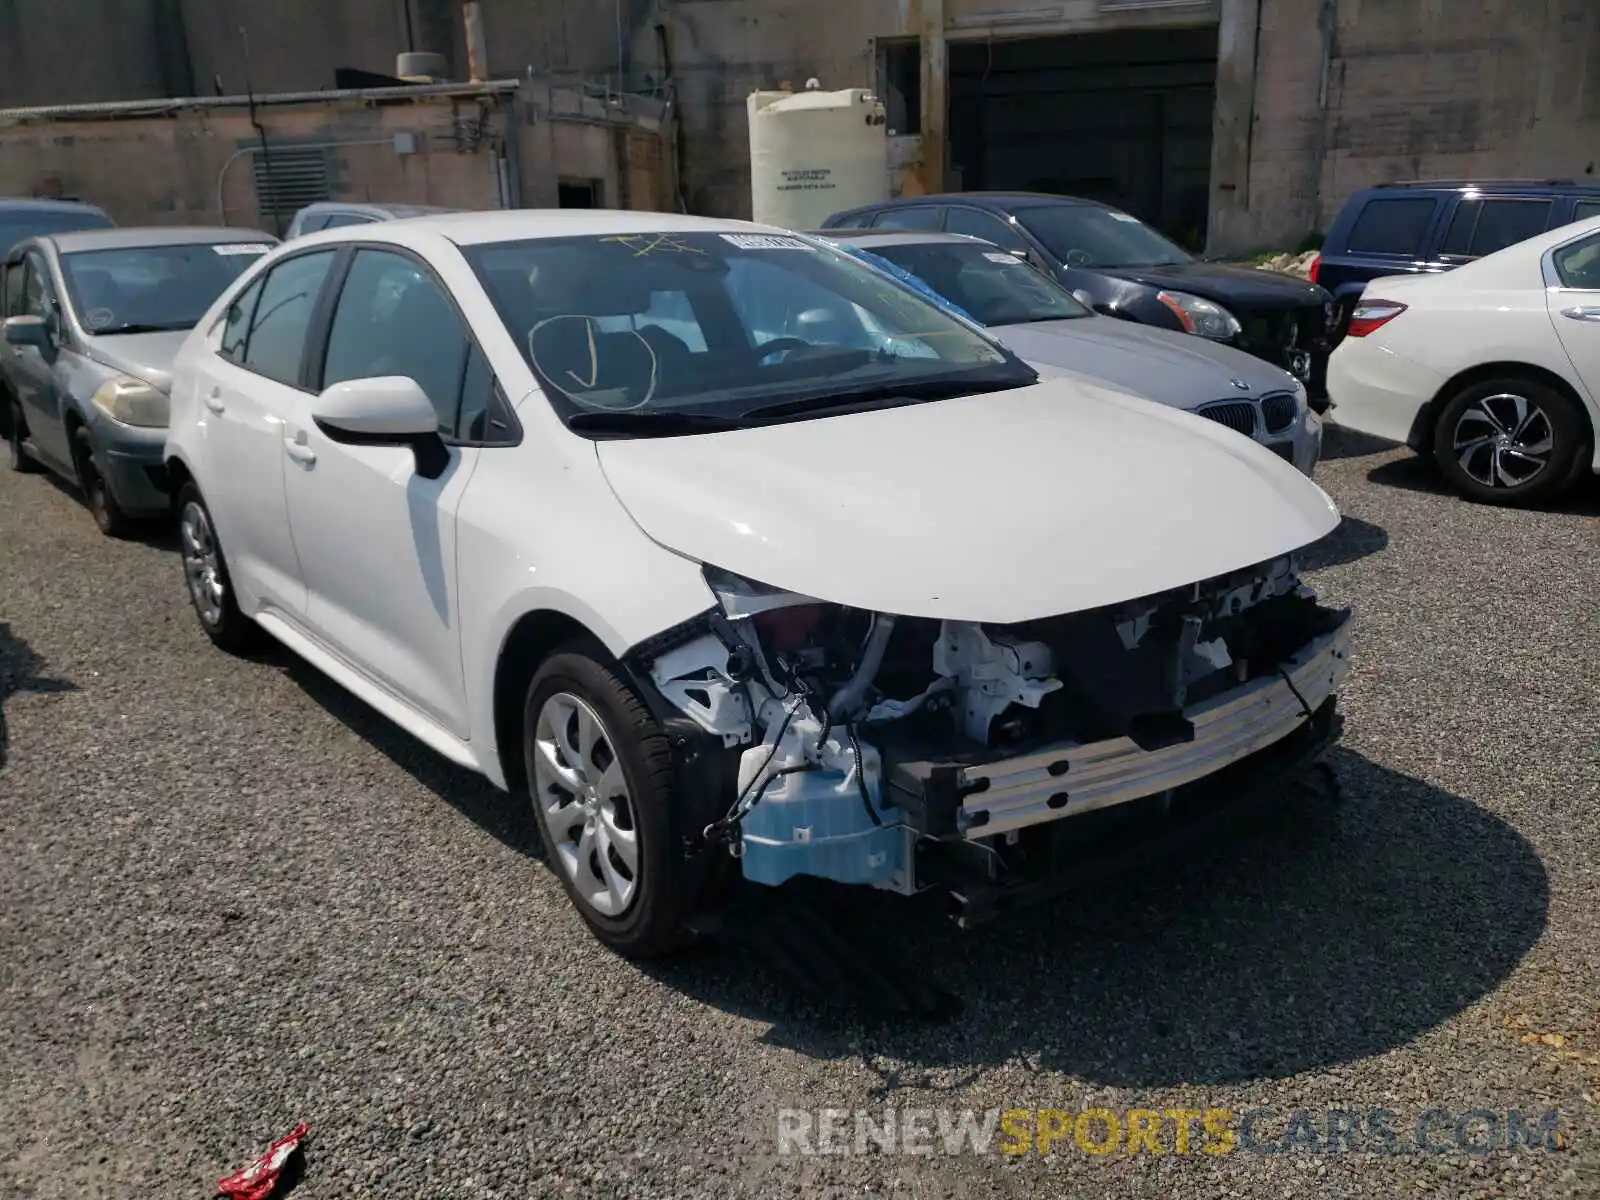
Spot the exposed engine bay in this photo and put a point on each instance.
(863, 739)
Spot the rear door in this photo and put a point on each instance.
(1572, 276)
(251, 386)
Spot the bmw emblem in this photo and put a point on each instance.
(1241, 385)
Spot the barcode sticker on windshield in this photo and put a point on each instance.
(763, 241)
(1000, 256)
(231, 249)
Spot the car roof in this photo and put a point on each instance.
(467, 228)
(16, 204)
(896, 237)
(398, 212)
(133, 237)
(1485, 185)
(996, 200)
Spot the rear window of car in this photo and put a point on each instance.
(1586, 209)
(1395, 226)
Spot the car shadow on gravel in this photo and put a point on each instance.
(1292, 946)
(1350, 540)
(21, 670)
(504, 816)
(1415, 474)
(1338, 442)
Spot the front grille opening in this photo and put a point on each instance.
(1278, 411)
(1237, 415)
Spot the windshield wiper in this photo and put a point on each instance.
(650, 423)
(881, 395)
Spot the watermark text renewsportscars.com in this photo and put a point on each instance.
(1209, 1131)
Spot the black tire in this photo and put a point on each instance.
(1504, 472)
(665, 888)
(103, 506)
(227, 627)
(16, 433)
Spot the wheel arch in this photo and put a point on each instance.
(1421, 437)
(530, 640)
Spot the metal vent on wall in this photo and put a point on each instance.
(287, 180)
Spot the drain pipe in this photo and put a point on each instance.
(477, 46)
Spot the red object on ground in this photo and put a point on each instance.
(260, 1179)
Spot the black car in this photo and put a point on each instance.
(1428, 226)
(1124, 268)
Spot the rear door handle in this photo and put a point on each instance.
(214, 402)
(1583, 312)
(299, 451)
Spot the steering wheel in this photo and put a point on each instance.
(779, 345)
(1078, 258)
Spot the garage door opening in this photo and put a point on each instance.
(1124, 117)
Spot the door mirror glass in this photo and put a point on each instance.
(27, 331)
(389, 410)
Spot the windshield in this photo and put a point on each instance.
(17, 225)
(1082, 235)
(996, 288)
(722, 325)
(146, 289)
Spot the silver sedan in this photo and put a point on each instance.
(1050, 328)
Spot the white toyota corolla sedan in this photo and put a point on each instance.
(1491, 369)
(740, 558)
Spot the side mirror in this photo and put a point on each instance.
(28, 331)
(389, 410)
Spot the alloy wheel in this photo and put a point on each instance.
(202, 565)
(585, 803)
(1504, 440)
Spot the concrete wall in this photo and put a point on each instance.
(196, 165)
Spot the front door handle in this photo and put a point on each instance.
(299, 450)
(1583, 312)
(214, 402)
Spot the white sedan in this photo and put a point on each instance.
(1492, 369)
(740, 558)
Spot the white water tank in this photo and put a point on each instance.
(813, 153)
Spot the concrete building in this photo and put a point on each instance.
(506, 144)
(1243, 123)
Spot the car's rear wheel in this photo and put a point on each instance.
(103, 506)
(1508, 441)
(605, 797)
(16, 435)
(205, 572)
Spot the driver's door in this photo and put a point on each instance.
(376, 540)
(32, 369)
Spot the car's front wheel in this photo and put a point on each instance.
(605, 798)
(205, 571)
(16, 435)
(103, 506)
(1509, 441)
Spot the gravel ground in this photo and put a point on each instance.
(235, 899)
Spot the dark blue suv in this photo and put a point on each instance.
(1412, 228)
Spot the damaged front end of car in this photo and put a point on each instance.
(909, 754)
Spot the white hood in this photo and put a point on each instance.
(998, 508)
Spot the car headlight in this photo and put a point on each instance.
(1200, 316)
(132, 401)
